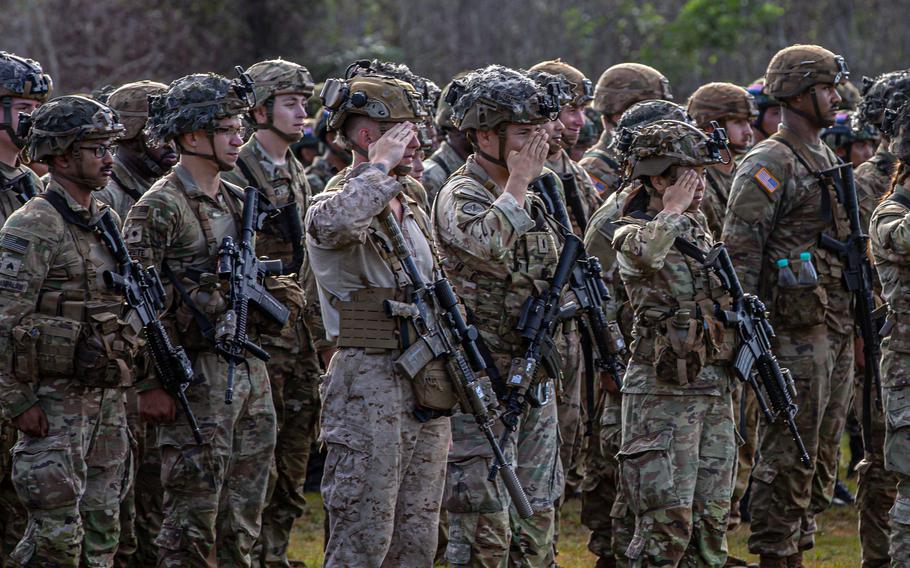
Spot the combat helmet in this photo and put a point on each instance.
(848, 128)
(493, 97)
(580, 87)
(666, 143)
(721, 101)
(21, 78)
(625, 84)
(277, 77)
(763, 101)
(443, 118)
(197, 102)
(877, 94)
(132, 106)
(849, 96)
(640, 115)
(797, 68)
(896, 124)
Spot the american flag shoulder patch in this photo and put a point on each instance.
(14, 243)
(766, 180)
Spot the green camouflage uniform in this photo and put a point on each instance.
(775, 212)
(382, 483)
(496, 258)
(714, 203)
(319, 173)
(71, 481)
(293, 367)
(602, 164)
(890, 243)
(214, 493)
(438, 168)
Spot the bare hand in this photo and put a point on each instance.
(608, 384)
(525, 164)
(33, 422)
(389, 149)
(678, 196)
(156, 406)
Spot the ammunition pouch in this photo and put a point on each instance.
(673, 345)
(800, 306)
(45, 347)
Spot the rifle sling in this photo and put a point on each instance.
(58, 202)
(202, 321)
(441, 163)
(134, 195)
(826, 213)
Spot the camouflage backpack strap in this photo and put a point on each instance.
(131, 191)
(58, 202)
(827, 212)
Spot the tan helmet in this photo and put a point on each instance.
(625, 84)
(666, 143)
(797, 68)
(849, 96)
(721, 101)
(131, 101)
(581, 88)
(381, 98)
(279, 77)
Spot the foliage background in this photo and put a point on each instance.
(85, 44)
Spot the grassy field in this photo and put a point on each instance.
(837, 541)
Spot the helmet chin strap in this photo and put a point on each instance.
(501, 135)
(7, 122)
(816, 118)
(222, 165)
(270, 124)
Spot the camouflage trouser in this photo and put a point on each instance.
(128, 545)
(876, 489)
(149, 500)
(746, 414)
(896, 405)
(677, 468)
(484, 530)
(787, 495)
(214, 493)
(383, 478)
(294, 377)
(570, 415)
(73, 480)
(12, 513)
(598, 488)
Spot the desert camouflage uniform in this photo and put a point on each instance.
(214, 493)
(71, 481)
(680, 503)
(775, 211)
(438, 168)
(890, 244)
(293, 366)
(496, 258)
(382, 483)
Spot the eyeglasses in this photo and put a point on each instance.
(100, 151)
(229, 131)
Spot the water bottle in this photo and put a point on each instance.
(785, 276)
(807, 274)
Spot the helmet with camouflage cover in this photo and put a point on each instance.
(896, 124)
(495, 96)
(62, 124)
(132, 105)
(20, 78)
(877, 94)
(847, 129)
(849, 96)
(443, 116)
(721, 101)
(667, 143)
(580, 87)
(625, 84)
(277, 77)
(795, 69)
(642, 114)
(195, 102)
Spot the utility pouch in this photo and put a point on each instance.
(364, 322)
(800, 306)
(45, 347)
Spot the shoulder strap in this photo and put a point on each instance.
(902, 199)
(441, 163)
(126, 189)
(826, 213)
(601, 155)
(58, 202)
(248, 174)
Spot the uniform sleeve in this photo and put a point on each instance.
(25, 258)
(643, 248)
(750, 217)
(891, 228)
(466, 218)
(339, 218)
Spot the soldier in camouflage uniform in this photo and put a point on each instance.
(618, 88)
(610, 537)
(677, 388)
(214, 492)
(852, 140)
(768, 119)
(497, 245)
(778, 209)
(266, 162)
(876, 486)
(138, 164)
(23, 87)
(451, 154)
(383, 478)
(67, 347)
(334, 157)
(890, 245)
(136, 167)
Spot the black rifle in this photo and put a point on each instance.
(145, 294)
(537, 325)
(573, 198)
(452, 333)
(754, 333)
(239, 266)
(22, 186)
(602, 341)
(859, 280)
